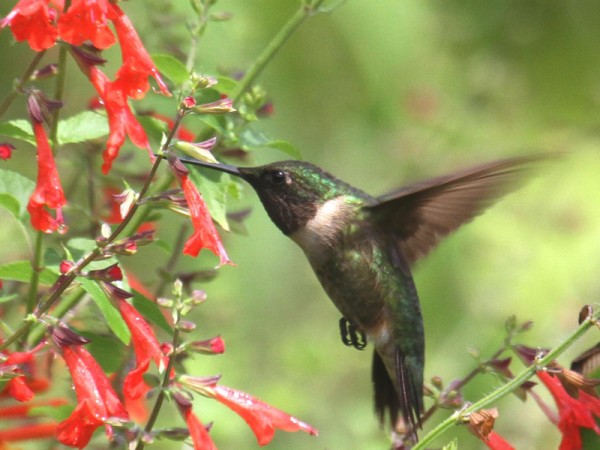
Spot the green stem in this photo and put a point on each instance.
(19, 86)
(36, 265)
(61, 309)
(506, 389)
(305, 10)
(58, 93)
(166, 381)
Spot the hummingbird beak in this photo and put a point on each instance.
(232, 170)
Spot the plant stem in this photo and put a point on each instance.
(305, 10)
(164, 385)
(58, 94)
(506, 389)
(36, 265)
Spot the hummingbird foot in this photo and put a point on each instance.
(352, 336)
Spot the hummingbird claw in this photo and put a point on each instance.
(351, 336)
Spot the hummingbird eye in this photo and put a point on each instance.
(276, 177)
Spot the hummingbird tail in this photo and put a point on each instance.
(408, 399)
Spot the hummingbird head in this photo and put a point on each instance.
(291, 191)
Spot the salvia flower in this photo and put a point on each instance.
(263, 419)
(132, 77)
(33, 21)
(97, 402)
(481, 424)
(146, 348)
(198, 432)
(574, 413)
(212, 346)
(48, 193)
(205, 234)
(6, 150)
(87, 20)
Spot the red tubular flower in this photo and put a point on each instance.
(6, 150)
(262, 418)
(48, 191)
(146, 347)
(121, 120)
(574, 413)
(132, 77)
(87, 20)
(32, 21)
(198, 433)
(205, 234)
(22, 388)
(97, 401)
(27, 432)
(496, 442)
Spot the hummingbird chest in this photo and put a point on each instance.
(349, 262)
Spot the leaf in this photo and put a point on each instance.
(82, 127)
(215, 194)
(151, 311)
(106, 350)
(155, 128)
(7, 298)
(21, 271)
(254, 139)
(171, 68)
(18, 129)
(285, 147)
(226, 85)
(108, 310)
(15, 191)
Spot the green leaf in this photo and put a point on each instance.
(106, 350)
(254, 139)
(7, 298)
(215, 121)
(108, 310)
(285, 147)
(21, 271)
(226, 85)
(215, 194)
(155, 128)
(171, 68)
(15, 191)
(151, 311)
(18, 129)
(82, 127)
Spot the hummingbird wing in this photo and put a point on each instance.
(420, 215)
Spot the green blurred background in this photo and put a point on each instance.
(382, 93)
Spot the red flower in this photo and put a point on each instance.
(212, 346)
(121, 120)
(205, 234)
(496, 442)
(146, 347)
(132, 77)
(97, 401)
(574, 413)
(87, 20)
(21, 388)
(48, 192)
(27, 432)
(32, 21)
(198, 433)
(6, 150)
(263, 419)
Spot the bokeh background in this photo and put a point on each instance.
(380, 94)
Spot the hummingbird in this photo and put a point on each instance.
(362, 248)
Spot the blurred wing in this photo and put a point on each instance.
(420, 215)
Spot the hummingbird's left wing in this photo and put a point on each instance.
(420, 215)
